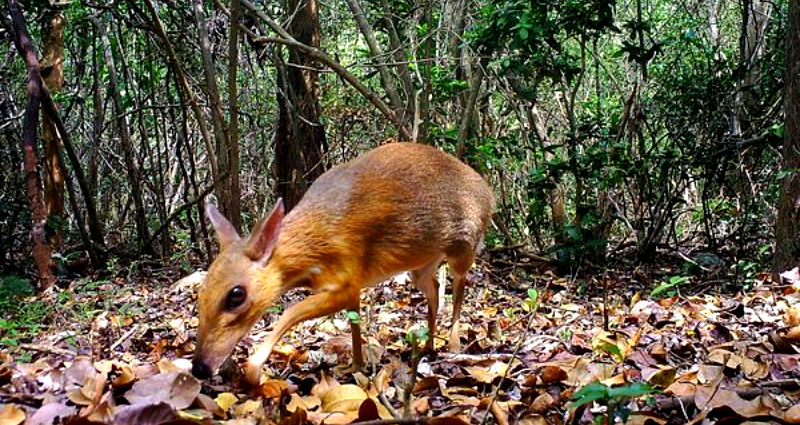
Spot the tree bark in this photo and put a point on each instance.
(187, 90)
(129, 155)
(787, 226)
(314, 52)
(41, 250)
(229, 201)
(51, 69)
(303, 134)
(377, 53)
(234, 192)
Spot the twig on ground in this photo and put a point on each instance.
(124, 337)
(382, 398)
(458, 357)
(48, 349)
(399, 421)
(513, 356)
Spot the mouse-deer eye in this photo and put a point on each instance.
(235, 298)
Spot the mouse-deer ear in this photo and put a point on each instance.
(226, 233)
(265, 235)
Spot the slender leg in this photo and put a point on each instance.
(424, 280)
(316, 305)
(460, 267)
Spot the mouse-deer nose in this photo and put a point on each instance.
(200, 370)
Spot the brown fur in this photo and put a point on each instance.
(400, 207)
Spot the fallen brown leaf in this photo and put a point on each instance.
(11, 415)
(177, 389)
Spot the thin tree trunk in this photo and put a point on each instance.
(129, 154)
(400, 58)
(223, 148)
(787, 226)
(51, 68)
(306, 134)
(41, 251)
(377, 53)
(234, 192)
(318, 55)
(287, 156)
(187, 90)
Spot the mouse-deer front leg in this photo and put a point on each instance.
(316, 305)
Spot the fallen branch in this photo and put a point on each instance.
(395, 421)
(48, 349)
(382, 398)
(471, 358)
(124, 337)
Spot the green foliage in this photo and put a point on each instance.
(414, 337)
(353, 316)
(531, 303)
(611, 397)
(13, 287)
(669, 287)
(535, 33)
(22, 316)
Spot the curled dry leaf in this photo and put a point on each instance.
(542, 403)
(661, 376)
(49, 413)
(5, 375)
(368, 411)
(445, 420)
(709, 373)
(226, 400)
(176, 389)
(11, 415)
(80, 369)
(645, 419)
(421, 406)
(273, 388)
(792, 316)
(123, 375)
(296, 402)
(791, 276)
(208, 404)
(247, 408)
(146, 414)
(383, 378)
(344, 398)
(709, 398)
(552, 375)
(793, 334)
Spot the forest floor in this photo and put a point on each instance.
(116, 351)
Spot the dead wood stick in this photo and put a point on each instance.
(382, 398)
(399, 421)
(458, 357)
(124, 337)
(47, 349)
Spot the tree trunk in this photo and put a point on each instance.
(41, 250)
(228, 194)
(129, 155)
(300, 131)
(51, 69)
(787, 226)
(234, 192)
